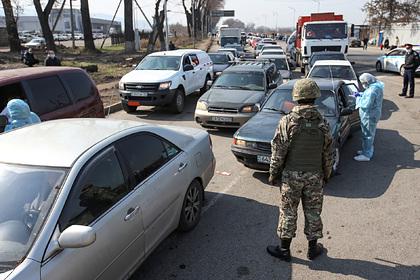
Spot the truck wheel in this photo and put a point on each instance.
(178, 102)
(129, 109)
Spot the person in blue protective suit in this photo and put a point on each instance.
(369, 103)
(20, 115)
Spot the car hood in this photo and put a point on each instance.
(148, 76)
(228, 98)
(262, 127)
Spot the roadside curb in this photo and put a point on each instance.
(113, 108)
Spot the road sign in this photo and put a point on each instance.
(223, 13)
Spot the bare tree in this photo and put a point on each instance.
(383, 13)
(43, 15)
(18, 8)
(236, 23)
(87, 26)
(157, 32)
(11, 26)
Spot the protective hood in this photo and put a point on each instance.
(18, 109)
(378, 85)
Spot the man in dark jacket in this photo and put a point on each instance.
(29, 58)
(412, 61)
(52, 60)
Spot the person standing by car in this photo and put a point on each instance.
(365, 43)
(412, 61)
(302, 159)
(51, 59)
(369, 103)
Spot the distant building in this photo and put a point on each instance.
(31, 23)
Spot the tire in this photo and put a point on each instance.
(205, 87)
(178, 103)
(379, 66)
(129, 109)
(336, 162)
(191, 207)
(402, 70)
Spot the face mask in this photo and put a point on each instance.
(409, 50)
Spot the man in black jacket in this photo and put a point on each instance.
(412, 61)
(52, 60)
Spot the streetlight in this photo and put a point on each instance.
(294, 14)
(319, 3)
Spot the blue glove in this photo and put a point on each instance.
(356, 94)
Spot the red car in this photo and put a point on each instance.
(52, 92)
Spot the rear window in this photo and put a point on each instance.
(49, 94)
(81, 87)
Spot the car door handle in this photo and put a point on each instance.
(182, 166)
(131, 213)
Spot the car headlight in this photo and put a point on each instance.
(201, 105)
(243, 143)
(251, 108)
(121, 85)
(218, 74)
(165, 85)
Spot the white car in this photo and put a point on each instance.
(269, 51)
(36, 43)
(96, 205)
(166, 78)
(336, 70)
(394, 61)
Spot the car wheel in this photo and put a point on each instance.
(378, 66)
(129, 109)
(178, 102)
(191, 207)
(205, 87)
(402, 70)
(336, 161)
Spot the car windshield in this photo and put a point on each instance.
(229, 40)
(259, 47)
(241, 80)
(272, 52)
(332, 56)
(281, 102)
(273, 47)
(326, 31)
(160, 63)
(332, 71)
(218, 58)
(281, 63)
(26, 196)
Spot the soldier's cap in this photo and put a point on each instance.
(305, 89)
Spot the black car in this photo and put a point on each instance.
(252, 142)
(327, 55)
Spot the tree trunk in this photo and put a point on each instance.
(11, 26)
(87, 26)
(128, 26)
(189, 18)
(43, 21)
(161, 34)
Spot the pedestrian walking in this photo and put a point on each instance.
(302, 160)
(52, 59)
(369, 103)
(365, 43)
(397, 41)
(412, 62)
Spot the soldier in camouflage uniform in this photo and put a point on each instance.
(302, 160)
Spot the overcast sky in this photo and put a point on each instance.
(260, 12)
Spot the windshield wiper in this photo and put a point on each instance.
(276, 110)
(221, 86)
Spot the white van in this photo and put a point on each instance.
(165, 78)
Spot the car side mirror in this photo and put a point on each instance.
(353, 62)
(76, 236)
(272, 86)
(188, 67)
(346, 112)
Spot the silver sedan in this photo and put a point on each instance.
(92, 198)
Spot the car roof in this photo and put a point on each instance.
(33, 72)
(179, 52)
(324, 84)
(53, 143)
(221, 50)
(268, 56)
(333, 62)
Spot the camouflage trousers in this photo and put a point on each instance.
(305, 186)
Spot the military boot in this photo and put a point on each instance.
(283, 251)
(314, 249)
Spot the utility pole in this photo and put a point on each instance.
(193, 20)
(294, 14)
(72, 25)
(165, 8)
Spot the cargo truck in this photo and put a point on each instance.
(319, 32)
(229, 36)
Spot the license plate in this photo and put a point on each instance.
(139, 94)
(264, 159)
(222, 119)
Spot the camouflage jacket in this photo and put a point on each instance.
(284, 133)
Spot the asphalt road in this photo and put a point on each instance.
(371, 210)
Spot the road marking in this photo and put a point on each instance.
(223, 192)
